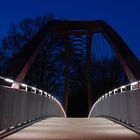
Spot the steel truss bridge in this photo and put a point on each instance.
(27, 112)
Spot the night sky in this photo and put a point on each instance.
(122, 15)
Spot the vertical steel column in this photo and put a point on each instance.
(66, 82)
(88, 67)
(20, 77)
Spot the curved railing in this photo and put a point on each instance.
(121, 104)
(21, 104)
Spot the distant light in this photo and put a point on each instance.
(9, 80)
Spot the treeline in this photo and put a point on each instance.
(18, 36)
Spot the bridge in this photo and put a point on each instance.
(28, 112)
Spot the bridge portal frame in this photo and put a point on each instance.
(126, 57)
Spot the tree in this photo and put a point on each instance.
(18, 36)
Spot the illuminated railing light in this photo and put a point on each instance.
(12, 127)
(33, 88)
(132, 124)
(9, 80)
(40, 91)
(110, 93)
(106, 95)
(3, 131)
(115, 90)
(134, 83)
(49, 95)
(19, 124)
(23, 85)
(122, 87)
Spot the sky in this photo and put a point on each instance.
(122, 15)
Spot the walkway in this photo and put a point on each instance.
(74, 129)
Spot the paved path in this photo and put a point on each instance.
(74, 129)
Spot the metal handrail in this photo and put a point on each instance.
(27, 88)
(121, 89)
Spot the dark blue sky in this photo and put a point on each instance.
(123, 15)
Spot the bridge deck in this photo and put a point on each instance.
(74, 128)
